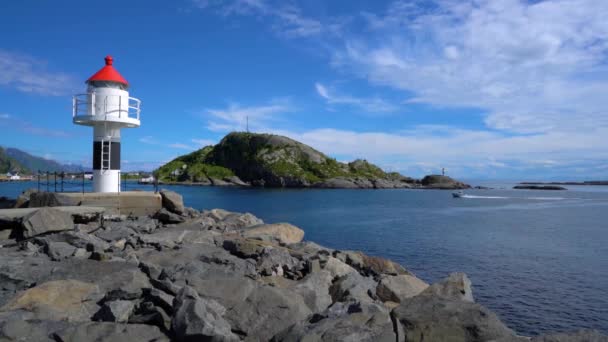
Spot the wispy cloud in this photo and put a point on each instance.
(181, 146)
(238, 118)
(286, 19)
(203, 142)
(529, 64)
(14, 122)
(149, 140)
(31, 75)
(368, 104)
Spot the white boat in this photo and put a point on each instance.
(458, 194)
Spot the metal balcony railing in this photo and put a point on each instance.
(86, 104)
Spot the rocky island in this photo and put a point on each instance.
(79, 274)
(267, 160)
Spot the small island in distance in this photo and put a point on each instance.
(268, 160)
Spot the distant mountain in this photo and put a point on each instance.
(35, 163)
(9, 164)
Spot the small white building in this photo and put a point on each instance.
(12, 176)
(147, 180)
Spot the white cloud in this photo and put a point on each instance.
(30, 75)
(181, 146)
(535, 67)
(203, 142)
(285, 19)
(148, 140)
(372, 105)
(238, 118)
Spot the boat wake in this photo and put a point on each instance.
(523, 198)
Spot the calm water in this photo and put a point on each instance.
(537, 258)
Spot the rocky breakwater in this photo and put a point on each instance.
(185, 275)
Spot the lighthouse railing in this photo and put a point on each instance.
(83, 104)
(134, 108)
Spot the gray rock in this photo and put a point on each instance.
(370, 265)
(150, 314)
(167, 217)
(50, 199)
(283, 233)
(220, 182)
(343, 322)
(115, 311)
(109, 332)
(235, 221)
(160, 298)
(337, 183)
(58, 251)
(435, 318)
(199, 319)
(172, 201)
(23, 200)
(314, 288)
(115, 231)
(236, 181)
(456, 286)
(396, 288)
(57, 300)
(276, 259)
(353, 287)
(46, 220)
(256, 312)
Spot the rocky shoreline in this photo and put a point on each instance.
(185, 275)
(430, 182)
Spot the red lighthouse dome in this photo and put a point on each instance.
(108, 73)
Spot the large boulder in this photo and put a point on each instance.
(46, 220)
(284, 233)
(433, 318)
(456, 286)
(70, 300)
(172, 201)
(197, 319)
(343, 322)
(255, 312)
(397, 288)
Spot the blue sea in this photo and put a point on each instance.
(539, 259)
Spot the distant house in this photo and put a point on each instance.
(147, 180)
(88, 176)
(13, 176)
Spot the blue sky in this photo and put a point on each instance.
(484, 88)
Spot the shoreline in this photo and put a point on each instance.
(260, 281)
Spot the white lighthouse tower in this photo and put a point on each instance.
(107, 107)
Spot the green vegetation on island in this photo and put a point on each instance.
(276, 161)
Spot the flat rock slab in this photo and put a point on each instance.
(13, 215)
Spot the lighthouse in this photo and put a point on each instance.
(107, 107)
